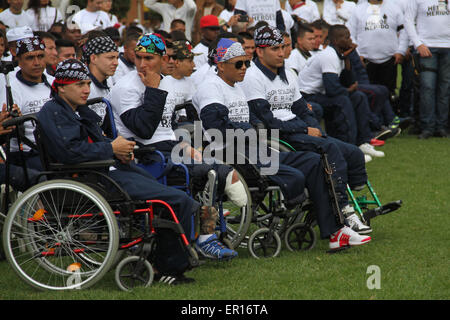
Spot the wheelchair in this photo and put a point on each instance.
(366, 203)
(69, 231)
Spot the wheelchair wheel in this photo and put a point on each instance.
(133, 272)
(300, 236)
(59, 235)
(264, 244)
(237, 219)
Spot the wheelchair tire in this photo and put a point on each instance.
(60, 235)
(129, 274)
(264, 244)
(300, 237)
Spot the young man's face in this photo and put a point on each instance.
(318, 38)
(73, 35)
(306, 42)
(66, 53)
(185, 67)
(75, 94)
(249, 47)
(51, 55)
(32, 64)
(168, 64)
(15, 5)
(148, 62)
(128, 50)
(230, 72)
(210, 33)
(272, 56)
(179, 26)
(106, 62)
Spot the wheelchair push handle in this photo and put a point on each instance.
(94, 101)
(19, 120)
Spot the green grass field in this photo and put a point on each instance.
(410, 247)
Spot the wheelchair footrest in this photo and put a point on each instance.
(331, 251)
(384, 209)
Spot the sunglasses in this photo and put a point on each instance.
(238, 64)
(174, 57)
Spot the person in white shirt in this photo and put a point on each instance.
(107, 6)
(375, 28)
(101, 56)
(14, 16)
(328, 80)
(43, 14)
(143, 105)
(262, 10)
(338, 11)
(305, 10)
(51, 54)
(92, 17)
(126, 58)
(65, 49)
(209, 28)
(304, 45)
(428, 26)
(174, 9)
(31, 89)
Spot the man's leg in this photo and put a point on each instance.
(443, 88)
(428, 83)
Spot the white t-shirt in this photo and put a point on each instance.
(260, 10)
(168, 12)
(310, 78)
(203, 57)
(47, 16)
(97, 92)
(338, 16)
(91, 20)
(432, 19)
(296, 61)
(202, 74)
(16, 20)
(29, 99)
(278, 93)
(309, 11)
(374, 30)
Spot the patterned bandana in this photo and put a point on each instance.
(183, 49)
(98, 45)
(70, 71)
(268, 36)
(29, 45)
(151, 43)
(228, 49)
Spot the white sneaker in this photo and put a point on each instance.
(345, 237)
(357, 225)
(368, 149)
(367, 158)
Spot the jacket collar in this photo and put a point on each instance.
(101, 85)
(269, 74)
(84, 112)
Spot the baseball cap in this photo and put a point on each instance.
(209, 21)
(183, 49)
(18, 33)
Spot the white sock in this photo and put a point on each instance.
(236, 191)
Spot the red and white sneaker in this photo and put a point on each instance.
(345, 237)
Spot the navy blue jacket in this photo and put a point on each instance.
(66, 134)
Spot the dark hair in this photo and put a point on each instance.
(36, 5)
(334, 30)
(228, 6)
(176, 35)
(63, 43)
(5, 42)
(113, 33)
(44, 35)
(246, 35)
(130, 36)
(302, 29)
(174, 21)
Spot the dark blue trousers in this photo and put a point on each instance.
(346, 159)
(379, 102)
(309, 164)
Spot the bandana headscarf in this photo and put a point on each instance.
(151, 43)
(183, 49)
(228, 49)
(268, 36)
(70, 71)
(98, 45)
(29, 45)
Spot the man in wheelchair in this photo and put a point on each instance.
(143, 106)
(71, 133)
(274, 97)
(223, 105)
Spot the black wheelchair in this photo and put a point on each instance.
(69, 231)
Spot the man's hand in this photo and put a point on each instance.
(4, 115)
(398, 58)
(424, 52)
(150, 78)
(351, 48)
(353, 87)
(123, 149)
(314, 132)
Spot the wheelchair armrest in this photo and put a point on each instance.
(19, 120)
(141, 150)
(82, 165)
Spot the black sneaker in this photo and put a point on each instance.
(173, 280)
